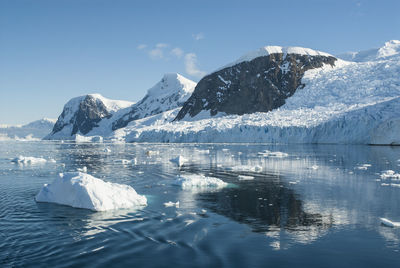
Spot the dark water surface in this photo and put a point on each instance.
(317, 207)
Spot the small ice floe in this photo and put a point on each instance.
(267, 153)
(389, 174)
(81, 190)
(389, 223)
(203, 151)
(51, 160)
(385, 184)
(245, 178)
(292, 182)
(180, 160)
(171, 204)
(363, 166)
(314, 167)
(195, 182)
(28, 160)
(225, 150)
(83, 169)
(107, 150)
(123, 161)
(255, 168)
(150, 153)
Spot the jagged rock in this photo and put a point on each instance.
(258, 84)
(81, 114)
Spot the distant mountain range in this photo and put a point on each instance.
(273, 94)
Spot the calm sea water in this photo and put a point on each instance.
(317, 207)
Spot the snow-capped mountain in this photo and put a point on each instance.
(259, 81)
(81, 114)
(391, 48)
(275, 94)
(35, 130)
(95, 115)
(171, 92)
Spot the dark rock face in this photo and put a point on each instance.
(90, 112)
(259, 85)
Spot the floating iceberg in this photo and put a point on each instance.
(267, 153)
(389, 223)
(180, 160)
(194, 181)
(80, 138)
(28, 160)
(172, 204)
(246, 168)
(81, 190)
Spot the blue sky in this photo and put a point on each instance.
(51, 51)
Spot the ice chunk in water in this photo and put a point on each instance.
(81, 190)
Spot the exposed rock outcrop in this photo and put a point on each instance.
(260, 82)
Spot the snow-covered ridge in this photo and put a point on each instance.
(35, 130)
(169, 93)
(390, 48)
(268, 50)
(81, 114)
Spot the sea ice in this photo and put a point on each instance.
(195, 181)
(28, 160)
(255, 168)
(81, 190)
(267, 153)
(389, 174)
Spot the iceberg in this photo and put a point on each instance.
(389, 223)
(180, 160)
(188, 182)
(81, 190)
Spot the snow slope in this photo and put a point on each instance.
(35, 130)
(391, 48)
(171, 92)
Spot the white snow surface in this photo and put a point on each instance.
(391, 48)
(198, 181)
(81, 190)
(268, 50)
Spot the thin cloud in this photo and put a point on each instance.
(177, 52)
(161, 45)
(141, 46)
(158, 52)
(198, 36)
(191, 65)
